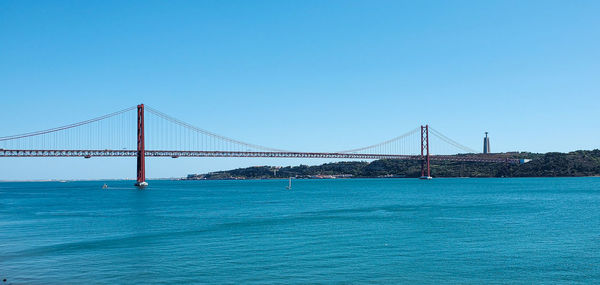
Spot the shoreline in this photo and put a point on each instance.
(255, 179)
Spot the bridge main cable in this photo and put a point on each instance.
(65, 127)
(450, 141)
(381, 143)
(205, 132)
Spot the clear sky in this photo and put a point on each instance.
(302, 75)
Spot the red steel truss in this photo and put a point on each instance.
(178, 153)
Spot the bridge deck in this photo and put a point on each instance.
(174, 154)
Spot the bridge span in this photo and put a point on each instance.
(183, 153)
(130, 133)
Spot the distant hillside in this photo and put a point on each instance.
(577, 163)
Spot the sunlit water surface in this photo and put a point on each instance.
(540, 230)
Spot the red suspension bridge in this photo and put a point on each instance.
(133, 133)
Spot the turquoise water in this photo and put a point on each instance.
(539, 230)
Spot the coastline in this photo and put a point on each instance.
(279, 178)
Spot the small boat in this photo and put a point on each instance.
(426, 177)
(289, 187)
(104, 186)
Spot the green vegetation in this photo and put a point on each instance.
(577, 163)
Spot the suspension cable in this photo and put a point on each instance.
(381, 143)
(186, 125)
(31, 134)
(451, 141)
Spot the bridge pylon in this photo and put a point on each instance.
(141, 149)
(425, 153)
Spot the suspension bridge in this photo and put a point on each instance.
(141, 131)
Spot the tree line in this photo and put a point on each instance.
(552, 164)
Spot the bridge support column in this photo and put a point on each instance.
(141, 149)
(425, 153)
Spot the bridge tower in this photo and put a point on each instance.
(141, 149)
(425, 152)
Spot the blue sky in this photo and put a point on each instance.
(302, 75)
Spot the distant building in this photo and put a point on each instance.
(486, 144)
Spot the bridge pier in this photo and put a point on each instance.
(141, 149)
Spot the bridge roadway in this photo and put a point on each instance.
(178, 153)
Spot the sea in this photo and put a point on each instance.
(331, 231)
